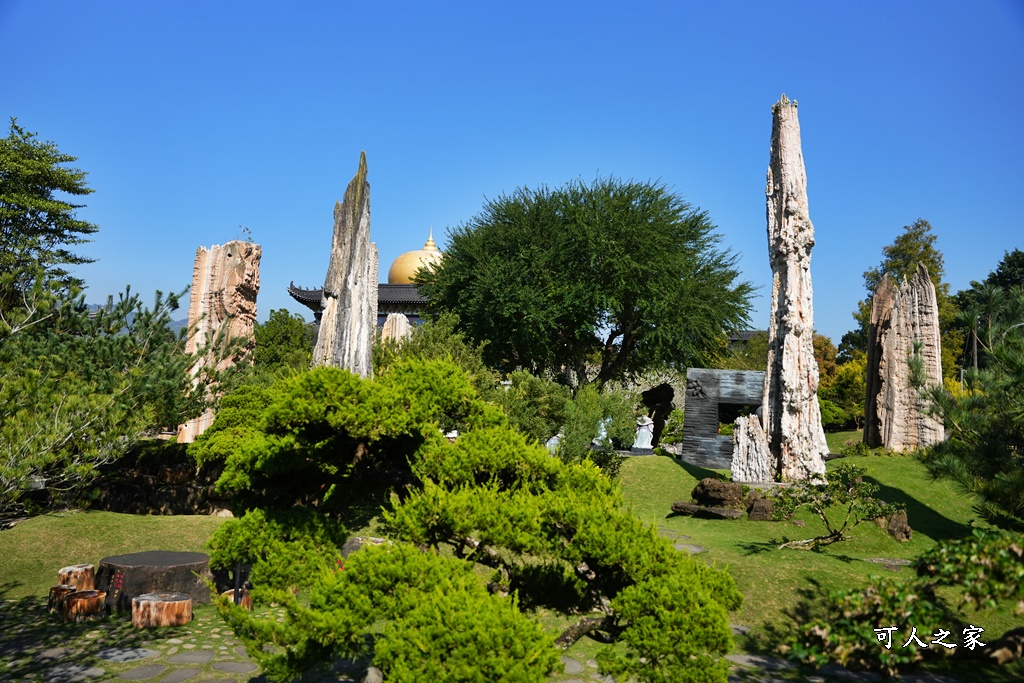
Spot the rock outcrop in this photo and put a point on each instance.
(791, 418)
(349, 318)
(904, 331)
(225, 282)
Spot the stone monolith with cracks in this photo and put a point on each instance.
(349, 303)
(225, 282)
(792, 418)
(904, 328)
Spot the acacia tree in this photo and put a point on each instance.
(621, 276)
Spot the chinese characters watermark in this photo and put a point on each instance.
(972, 637)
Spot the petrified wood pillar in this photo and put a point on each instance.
(904, 324)
(792, 418)
(161, 609)
(225, 282)
(396, 327)
(349, 319)
(81, 576)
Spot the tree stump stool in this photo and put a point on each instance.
(161, 609)
(244, 599)
(55, 603)
(84, 606)
(81, 576)
(153, 571)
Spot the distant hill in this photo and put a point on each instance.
(175, 324)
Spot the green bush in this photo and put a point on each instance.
(534, 406)
(491, 499)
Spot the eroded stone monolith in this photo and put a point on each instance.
(225, 282)
(904, 331)
(349, 303)
(751, 459)
(791, 416)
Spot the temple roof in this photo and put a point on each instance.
(386, 294)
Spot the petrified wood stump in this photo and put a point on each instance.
(84, 606)
(161, 609)
(244, 599)
(81, 576)
(55, 603)
(153, 571)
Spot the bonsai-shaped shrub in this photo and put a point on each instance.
(554, 535)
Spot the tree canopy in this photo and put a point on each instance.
(616, 276)
(916, 244)
(38, 227)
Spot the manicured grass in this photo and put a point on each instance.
(34, 550)
(775, 581)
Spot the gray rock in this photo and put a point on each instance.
(71, 673)
(372, 675)
(235, 667)
(193, 657)
(181, 675)
(898, 527)
(691, 548)
(572, 666)
(143, 672)
(761, 662)
(126, 654)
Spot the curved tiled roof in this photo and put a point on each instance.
(386, 294)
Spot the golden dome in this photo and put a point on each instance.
(406, 265)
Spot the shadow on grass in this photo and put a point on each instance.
(33, 641)
(696, 471)
(922, 518)
(811, 605)
(758, 547)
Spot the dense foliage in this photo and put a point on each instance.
(553, 534)
(596, 281)
(283, 343)
(986, 569)
(984, 446)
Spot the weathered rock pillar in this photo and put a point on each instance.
(397, 327)
(904, 324)
(349, 318)
(792, 418)
(225, 282)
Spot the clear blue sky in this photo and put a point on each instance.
(193, 118)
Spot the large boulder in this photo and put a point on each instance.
(718, 493)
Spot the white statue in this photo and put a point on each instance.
(644, 435)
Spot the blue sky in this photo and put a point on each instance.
(194, 118)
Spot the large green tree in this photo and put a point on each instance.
(38, 227)
(590, 281)
(916, 244)
(978, 305)
(284, 342)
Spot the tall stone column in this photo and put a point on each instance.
(225, 282)
(792, 418)
(349, 318)
(904, 324)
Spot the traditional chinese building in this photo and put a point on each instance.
(398, 295)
